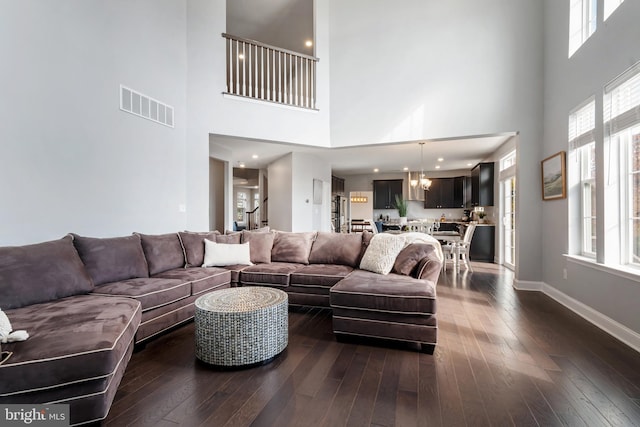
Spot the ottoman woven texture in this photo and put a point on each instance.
(241, 326)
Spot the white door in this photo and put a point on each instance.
(508, 205)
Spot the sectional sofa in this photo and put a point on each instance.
(86, 302)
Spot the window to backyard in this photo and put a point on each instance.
(582, 22)
(622, 127)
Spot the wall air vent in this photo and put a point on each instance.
(143, 106)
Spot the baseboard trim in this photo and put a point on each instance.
(526, 285)
(607, 324)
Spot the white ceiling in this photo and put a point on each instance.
(458, 153)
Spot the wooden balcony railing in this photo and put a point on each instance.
(268, 73)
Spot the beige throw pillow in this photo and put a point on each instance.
(221, 254)
(381, 253)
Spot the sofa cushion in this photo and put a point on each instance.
(112, 259)
(409, 258)
(274, 274)
(319, 275)
(382, 252)
(235, 272)
(193, 245)
(261, 244)
(371, 291)
(292, 247)
(41, 272)
(234, 238)
(201, 279)
(72, 340)
(163, 252)
(151, 292)
(336, 248)
(220, 254)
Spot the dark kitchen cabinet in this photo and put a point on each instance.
(445, 193)
(467, 197)
(384, 193)
(337, 185)
(483, 243)
(482, 185)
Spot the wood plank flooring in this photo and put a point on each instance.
(503, 358)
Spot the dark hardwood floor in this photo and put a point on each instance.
(503, 358)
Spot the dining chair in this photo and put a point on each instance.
(459, 251)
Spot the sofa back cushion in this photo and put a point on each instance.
(162, 251)
(292, 247)
(409, 258)
(336, 248)
(230, 239)
(260, 244)
(112, 259)
(193, 246)
(41, 272)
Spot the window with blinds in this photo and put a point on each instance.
(621, 116)
(582, 145)
(582, 22)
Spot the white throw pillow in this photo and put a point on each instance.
(221, 254)
(382, 252)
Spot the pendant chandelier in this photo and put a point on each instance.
(358, 198)
(424, 182)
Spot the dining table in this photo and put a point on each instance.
(447, 236)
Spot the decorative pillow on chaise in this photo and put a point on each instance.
(193, 245)
(382, 252)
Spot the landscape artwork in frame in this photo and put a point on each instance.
(553, 177)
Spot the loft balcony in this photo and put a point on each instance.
(259, 71)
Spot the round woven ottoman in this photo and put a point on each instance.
(240, 327)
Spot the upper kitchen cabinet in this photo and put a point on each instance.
(445, 193)
(337, 185)
(482, 185)
(384, 193)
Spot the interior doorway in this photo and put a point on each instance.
(216, 194)
(246, 199)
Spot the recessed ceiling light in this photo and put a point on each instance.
(469, 164)
(405, 168)
(376, 170)
(241, 165)
(241, 56)
(308, 43)
(255, 156)
(440, 159)
(437, 166)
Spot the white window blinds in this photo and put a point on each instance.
(622, 101)
(582, 123)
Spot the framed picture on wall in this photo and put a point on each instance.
(554, 182)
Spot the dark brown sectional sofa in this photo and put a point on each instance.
(87, 301)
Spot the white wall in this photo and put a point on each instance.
(612, 49)
(435, 68)
(306, 215)
(280, 175)
(291, 205)
(70, 160)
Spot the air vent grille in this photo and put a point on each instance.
(146, 107)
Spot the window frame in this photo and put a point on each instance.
(621, 116)
(583, 26)
(610, 6)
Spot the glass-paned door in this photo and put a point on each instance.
(509, 221)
